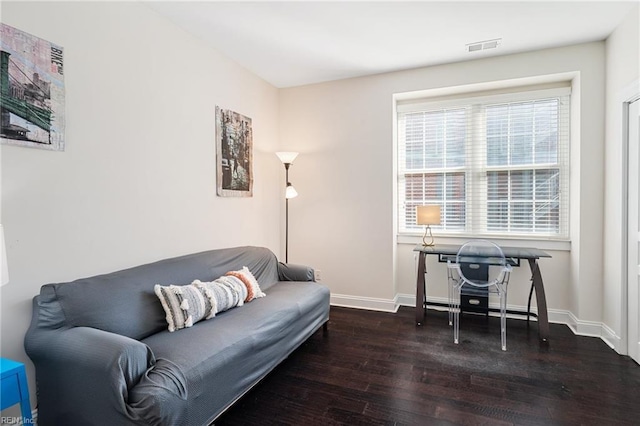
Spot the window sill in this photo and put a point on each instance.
(413, 239)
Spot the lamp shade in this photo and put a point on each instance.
(4, 269)
(287, 157)
(428, 215)
(290, 192)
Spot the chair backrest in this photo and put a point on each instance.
(481, 263)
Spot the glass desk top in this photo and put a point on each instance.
(509, 252)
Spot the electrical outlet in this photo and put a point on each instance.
(317, 275)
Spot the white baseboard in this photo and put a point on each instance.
(612, 339)
(369, 303)
(594, 329)
(556, 316)
(408, 299)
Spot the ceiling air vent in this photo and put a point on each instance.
(483, 45)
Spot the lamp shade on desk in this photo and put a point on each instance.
(428, 215)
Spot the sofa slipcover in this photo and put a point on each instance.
(103, 354)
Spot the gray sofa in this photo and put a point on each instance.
(103, 355)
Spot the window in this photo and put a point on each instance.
(497, 164)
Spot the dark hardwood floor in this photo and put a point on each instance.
(374, 368)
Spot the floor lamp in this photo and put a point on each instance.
(289, 192)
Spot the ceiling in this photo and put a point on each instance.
(303, 42)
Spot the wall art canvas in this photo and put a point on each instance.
(32, 91)
(234, 149)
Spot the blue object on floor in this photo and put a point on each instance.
(15, 389)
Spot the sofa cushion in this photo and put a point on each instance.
(224, 293)
(247, 278)
(183, 305)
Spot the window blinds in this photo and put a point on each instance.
(498, 165)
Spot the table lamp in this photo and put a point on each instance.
(428, 215)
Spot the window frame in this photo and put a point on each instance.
(477, 188)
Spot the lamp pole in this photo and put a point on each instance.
(286, 215)
(289, 192)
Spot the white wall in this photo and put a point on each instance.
(343, 222)
(137, 180)
(623, 69)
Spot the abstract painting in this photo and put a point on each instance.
(234, 150)
(32, 90)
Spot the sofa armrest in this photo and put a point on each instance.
(85, 374)
(291, 272)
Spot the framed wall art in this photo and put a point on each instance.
(234, 152)
(32, 91)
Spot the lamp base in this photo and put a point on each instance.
(427, 231)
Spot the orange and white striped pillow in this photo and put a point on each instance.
(247, 278)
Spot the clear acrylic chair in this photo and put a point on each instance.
(474, 255)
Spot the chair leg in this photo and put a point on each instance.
(456, 314)
(450, 304)
(503, 319)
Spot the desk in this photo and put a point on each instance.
(14, 388)
(513, 254)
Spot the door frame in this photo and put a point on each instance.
(628, 96)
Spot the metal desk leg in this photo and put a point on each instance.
(420, 284)
(529, 300)
(541, 300)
